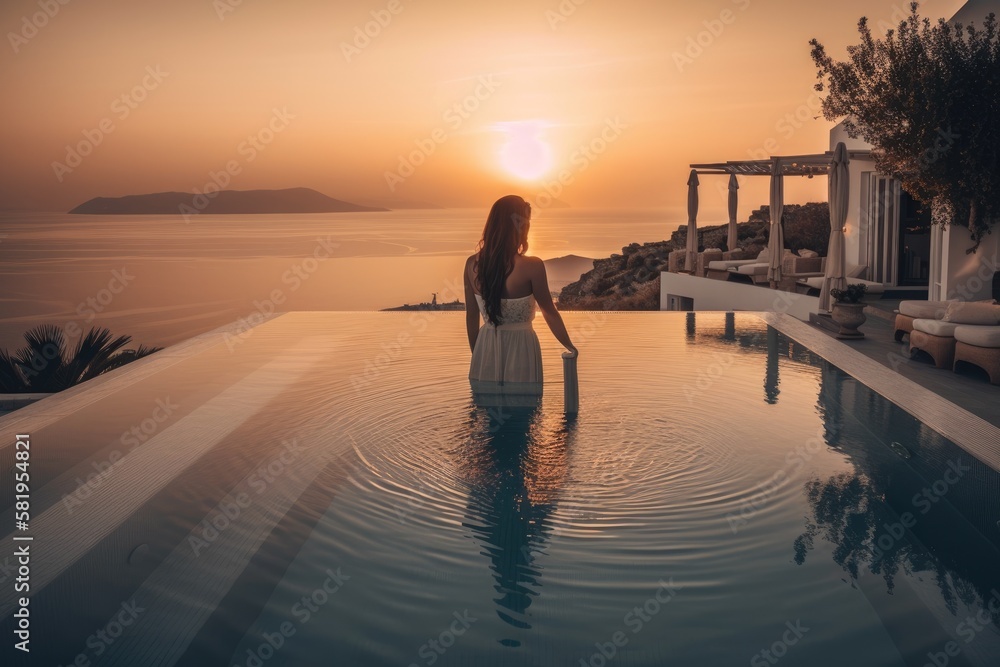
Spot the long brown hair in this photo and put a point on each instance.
(503, 239)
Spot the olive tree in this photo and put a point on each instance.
(927, 99)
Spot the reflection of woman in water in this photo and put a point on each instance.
(502, 286)
(516, 461)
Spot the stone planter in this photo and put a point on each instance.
(849, 316)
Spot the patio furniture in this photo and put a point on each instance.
(676, 261)
(705, 258)
(756, 270)
(962, 312)
(798, 267)
(909, 311)
(805, 265)
(979, 346)
(718, 269)
(935, 339)
(814, 285)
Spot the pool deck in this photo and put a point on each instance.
(917, 387)
(969, 389)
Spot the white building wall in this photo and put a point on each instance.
(969, 276)
(838, 134)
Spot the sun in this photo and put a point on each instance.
(525, 154)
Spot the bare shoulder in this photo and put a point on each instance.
(532, 263)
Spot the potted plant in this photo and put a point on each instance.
(849, 311)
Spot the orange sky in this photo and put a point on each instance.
(542, 78)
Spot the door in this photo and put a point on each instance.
(914, 251)
(883, 225)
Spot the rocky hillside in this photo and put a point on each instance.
(630, 281)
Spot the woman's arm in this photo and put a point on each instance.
(540, 289)
(471, 307)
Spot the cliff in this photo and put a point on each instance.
(631, 280)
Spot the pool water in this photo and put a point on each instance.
(723, 497)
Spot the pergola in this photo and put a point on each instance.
(777, 167)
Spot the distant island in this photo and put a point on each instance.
(291, 200)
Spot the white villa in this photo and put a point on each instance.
(888, 239)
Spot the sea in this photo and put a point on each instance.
(163, 279)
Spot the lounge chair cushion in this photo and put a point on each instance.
(753, 269)
(935, 327)
(723, 265)
(978, 336)
(964, 312)
(807, 253)
(932, 310)
(816, 282)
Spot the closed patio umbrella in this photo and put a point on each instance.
(733, 241)
(692, 230)
(776, 238)
(840, 190)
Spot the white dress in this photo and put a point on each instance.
(507, 358)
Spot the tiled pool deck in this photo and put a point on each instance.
(969, 388)
(967, 429)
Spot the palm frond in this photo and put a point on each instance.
(128, 356)
(11, 379)
(93, 354)
(42, 365)
(41, 361)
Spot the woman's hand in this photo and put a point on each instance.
(572, 354)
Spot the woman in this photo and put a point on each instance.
(502, 285)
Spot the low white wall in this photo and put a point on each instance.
(709, 294)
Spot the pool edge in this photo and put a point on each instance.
(968, 431)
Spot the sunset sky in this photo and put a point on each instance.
(501, 96)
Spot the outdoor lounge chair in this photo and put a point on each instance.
(814, 284)
(909, 311)
(793, 267)
(705, 258)
(935, 339)
(754, 271)
(719, 269)
(973, 325)
(979, 346)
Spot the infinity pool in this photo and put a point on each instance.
(322, 489)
